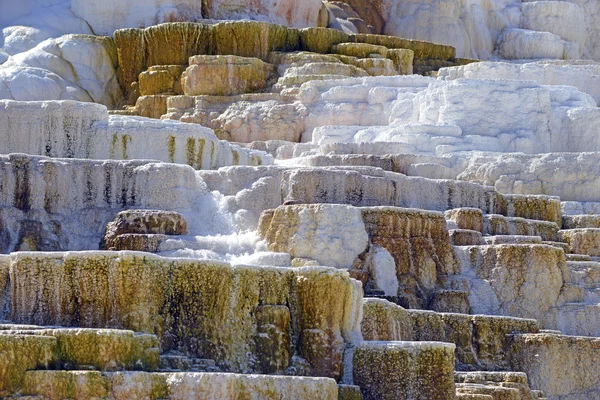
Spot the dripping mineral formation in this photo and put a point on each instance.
(300, 199)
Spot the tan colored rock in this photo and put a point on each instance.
(205, 309)
(253, 39)
(385, 321)
(103, 349)
(466, 218)
(373, 66)
(349, 392)
(494, 224)
(161, 79)
(582, 240)
(419, 243)
(321, 40)
(323, 19)
(538, 207)
(561, 366)
(56, 385)
(154, 106)
(422, 50)
(359, 50)
(131, 54)
(465, 237)
(84, 385)
(174, 43)
(450, 301)
(580, 221)
(405, 370)
(326, 324)
(403, 60)
(142, 223)
(521, 280)
(224, 75)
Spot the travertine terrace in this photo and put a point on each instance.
(300, 199)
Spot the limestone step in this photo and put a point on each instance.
(349, 392)
(581, 318)
(512, 239)
(585, 273)
(494, 224)
(465, 237)
(175, 361)
(298, 80)
(582, 240)
(481, 341)
(83, 385)
(581, 221)
(468, 382)
(558, 364)
(560, 245)
(101, 349)
(450, 301)
(404, 369)
(578, 257)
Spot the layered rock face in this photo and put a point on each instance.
(280, 200)
(298, 316)
(80, 130)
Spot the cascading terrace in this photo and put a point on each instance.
(334, 200)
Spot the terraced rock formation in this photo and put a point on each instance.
(299, 200)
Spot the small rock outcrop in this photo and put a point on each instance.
(142, 230)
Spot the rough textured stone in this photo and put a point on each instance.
(349, 392)
(155, 295)
(466, 218)
(520, 280)
(306, 231)
(253, 39)
(83, 385)
(465, 237)
(582, 241)
(20, 353)
(494, 224)
(421, 49)
(223, 75)
(321, 40)
(405, 370)
(561, 366)
(102, 349)
(385, 321)
(419, 243)
(143, 222)
(161, 79)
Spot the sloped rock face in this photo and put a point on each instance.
(555, 362)
(71, 67)
(518, 279)
(223, 75)
(20, 353)
(189, 306)
(405, 370)
(49, 204)
(82, 130)
(103, 349)
(419, 243)
(481, 340)
(81, 385)
(301, 230)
